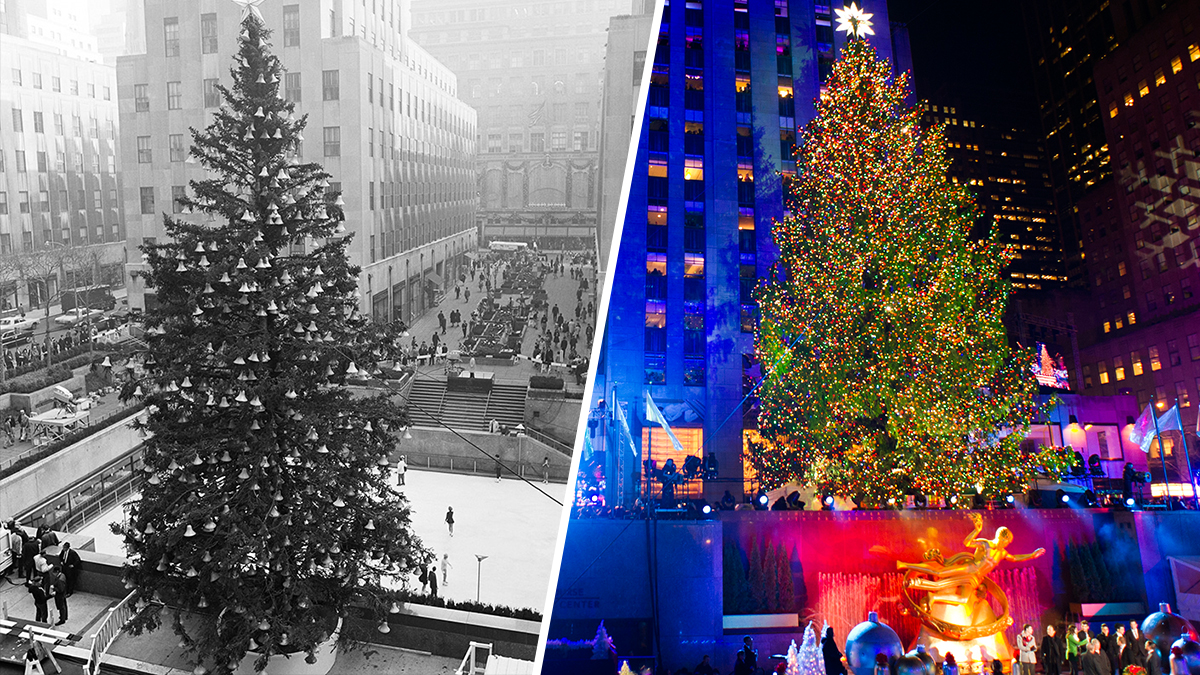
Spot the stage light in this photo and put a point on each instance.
(761, 501)
(1062, 497)
(1089, 499)
(952, 502)
(827, 503)
(706, 509)
(1010, 499)
(1130, 502)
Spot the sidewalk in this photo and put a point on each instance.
(560, 290)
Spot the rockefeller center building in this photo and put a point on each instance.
(384, 118)
(1141, 228)
(732, 82)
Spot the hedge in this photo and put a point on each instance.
(23, 380)
(69, 439)
(41, 379)
(525, 613)
(545, 382)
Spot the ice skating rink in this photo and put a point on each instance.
(511, 523)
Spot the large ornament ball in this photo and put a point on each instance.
(1185, 656)
(869, 639)
(1164, 628)
(911, 664)
(923, 654)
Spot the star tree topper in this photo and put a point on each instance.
(251, 7)
(853, 20)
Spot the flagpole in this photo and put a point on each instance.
(1187, 458)
(1162, 455)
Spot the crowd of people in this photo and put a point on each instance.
(45, 580)
(35, 352)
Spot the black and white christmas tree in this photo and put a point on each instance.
(266, 510)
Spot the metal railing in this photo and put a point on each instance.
(482, 466)
(476, 658)
(549, 440)
(108, 630)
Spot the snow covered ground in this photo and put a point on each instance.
(510, 522)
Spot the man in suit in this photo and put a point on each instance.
(56, 587)
(1093, 662)
(69, 559)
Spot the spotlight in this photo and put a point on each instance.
(1010, 499)
(706, 509)
(1062, 497)
(827, 503)
(953, 502)
(1089, 499)
(1130, 502)
(761, 501)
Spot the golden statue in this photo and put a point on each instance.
(952, 597)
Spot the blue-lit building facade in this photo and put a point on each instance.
(732, 82)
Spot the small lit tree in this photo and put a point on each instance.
(267, 508)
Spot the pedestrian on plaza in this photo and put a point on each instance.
(499, 470)
(546, 469)
(1026, 650)
(445, 569)
(10, 432)
(467, 295)
(69, 558)
(46, 536)
(401, 469)
(457, 291)
(424, 579)
(40, 600)
(24, 424)
(450, 519)
(41, 564)
(442, 322)
(433, 582)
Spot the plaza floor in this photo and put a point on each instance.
(510, 522)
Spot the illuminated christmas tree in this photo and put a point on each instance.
(267, 511)
(886, 365)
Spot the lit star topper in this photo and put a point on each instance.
(854, 21)
(251, 7)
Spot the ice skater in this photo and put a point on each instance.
(401, 469)
(450, 519)
(445, 569)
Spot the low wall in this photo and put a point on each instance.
(34, 401)
(434, 448)
(59, 471)
(554, 414)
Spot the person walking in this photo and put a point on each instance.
(424, 579)
(445, 569)
(1026, 650)
(9, 427)
(546, 469)
(401, 469)
(433, 582)
(450, 519)
(23, 422)
(1051, 652)
(71, 565)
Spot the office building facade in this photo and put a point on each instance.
(732, 82)
(1141, 228)
(60, 179)
(383, 118)
(534, 73)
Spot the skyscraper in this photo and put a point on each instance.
(59, 179)
(732, 82)
(534, 73)
(1141, 228)
(1066, 38)
(383, 118)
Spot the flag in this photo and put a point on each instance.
(587, 447)
(1170, 420)
(653, 414)
(1143, 430)
(536, 116)
(624, 436)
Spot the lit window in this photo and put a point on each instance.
(1119, 368)
(1121, 268)
(1103, 370)
(1194, 52)
(1112, 111)
(1176, 65)
(1155, 363)
(1143, 89)
(693, 264)
(1159, 78)
(1107, 327)
(1128, 99)
(1135, 361)
(1132, 318)
(1181, 393)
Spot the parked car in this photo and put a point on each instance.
(77, 315)
(12, 339)
(18, 323)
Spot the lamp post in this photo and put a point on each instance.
(479, 574)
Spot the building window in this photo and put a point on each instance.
(329, 85)
(494, 143)
(1135, 362)
(18, 120)
(20, 161)
(655, 370)
(174, 96)
(1087, 376)
(3, 203)
(141, 97)
(56, 83)
(175, 142)
(1193, 341)
(581, 141)
(370, 88)
(1102, 369)
(371, 194)
(1173, 353)
(178, 194)
(1181, 393)
(291, 25)
(147, 199)
(558, 140)
(537, 141)
(23, 201)
(208, 33)
(212, 96)
(291, 87)
(516, 142)
(144, 153)
(108, 93)
(171, 35)
(1155, 362)
(39, 126)
(333, 141)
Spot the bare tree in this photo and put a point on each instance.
(35, 271)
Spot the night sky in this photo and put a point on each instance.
(976, 50)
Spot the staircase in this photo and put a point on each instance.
(506, 405)
(426, 396)
(465, 411)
